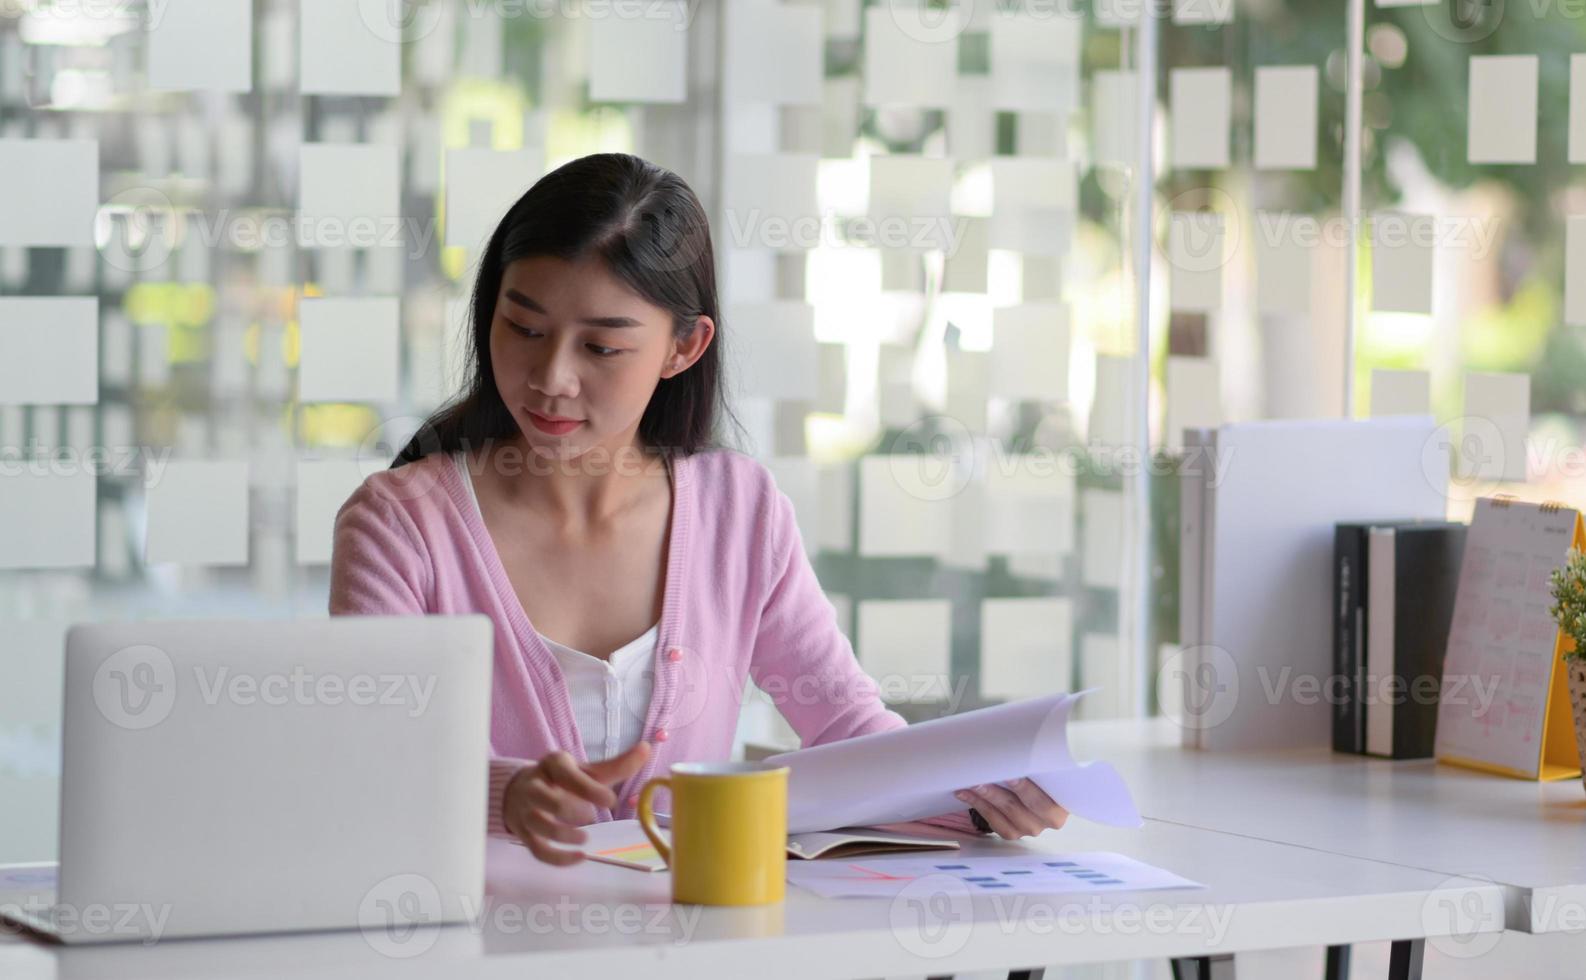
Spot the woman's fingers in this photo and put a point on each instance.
(547, 797)
(557, 796)
(1048, 810)
(619, 767)
(1002, 809)
(551, 854)
(561, 770)
(993, 815)
(545, 825)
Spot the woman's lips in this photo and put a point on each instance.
(552, 428)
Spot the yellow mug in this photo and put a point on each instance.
(729, 831)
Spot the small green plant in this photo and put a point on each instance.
(1568, 587)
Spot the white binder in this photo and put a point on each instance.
(1259, 501)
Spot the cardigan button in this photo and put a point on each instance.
(675, 654)
(661, 735)
(633, 802)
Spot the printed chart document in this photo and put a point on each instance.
(913, 772)
(1044, 874)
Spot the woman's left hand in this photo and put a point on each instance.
(1015, 809)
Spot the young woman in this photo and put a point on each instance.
(637, 575)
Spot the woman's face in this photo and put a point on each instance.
(571, 341)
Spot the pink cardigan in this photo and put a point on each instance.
(741, 602)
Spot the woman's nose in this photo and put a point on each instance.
(553, 373)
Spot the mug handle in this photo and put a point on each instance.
(647, 818)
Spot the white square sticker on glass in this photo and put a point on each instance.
(50, 195)
(1194, 398)
(1575, 270)
(323, 485)
(49, 350)
(1200, 114)
(639, 52)
(1400, 393)
(350, 47)
(348, 195)
(350, 349)
(1285, 125)
(1503, 109)
(1196, 256)
(910, 56)
(774, 53)
(1495, 424)
(47, 518)
(1402, 254)
(481, 185)
(905, 645)
(198, 512)
(1035, 60)
(204, 45)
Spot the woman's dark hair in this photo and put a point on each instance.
(648, 227)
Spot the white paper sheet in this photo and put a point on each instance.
(910, 773)
(1033, 874)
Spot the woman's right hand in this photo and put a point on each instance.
(548, 800)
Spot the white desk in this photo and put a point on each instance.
(598, 920)
(1528, 836)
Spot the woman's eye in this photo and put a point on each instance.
(598, 350)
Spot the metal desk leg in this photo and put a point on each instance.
(1204, 967)
(1337, 963)
(1404, 962)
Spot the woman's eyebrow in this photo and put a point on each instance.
(528, 303)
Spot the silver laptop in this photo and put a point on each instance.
(228, 777)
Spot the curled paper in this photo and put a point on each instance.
(910, 773)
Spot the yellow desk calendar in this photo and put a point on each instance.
(729, 831)
(1503, 705)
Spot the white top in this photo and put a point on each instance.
(610, 698)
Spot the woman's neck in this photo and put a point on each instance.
(593, 489)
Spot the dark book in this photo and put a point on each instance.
(1394, 588)
(1349, 629)
(1412, 578)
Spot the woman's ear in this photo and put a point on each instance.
(687, 350)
